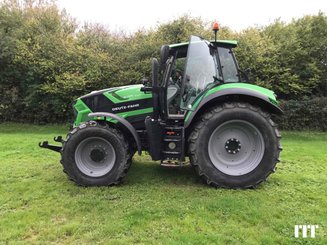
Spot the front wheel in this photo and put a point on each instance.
(235, 145)
(95, 155)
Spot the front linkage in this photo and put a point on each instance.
(45, 144)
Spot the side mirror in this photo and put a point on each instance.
(164, 54)
(155, 72)
(154, 77)
(145, 81)
(155, 88)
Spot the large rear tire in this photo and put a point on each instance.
(95, 155)
(234, 145)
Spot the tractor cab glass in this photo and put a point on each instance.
(200, 70)
(228, 65)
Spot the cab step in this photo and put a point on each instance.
(173, 143)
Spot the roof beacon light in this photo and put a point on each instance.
(215, 28)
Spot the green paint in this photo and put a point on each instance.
(127, 93)
(82, 112)
(222, 42)
(194, 106)
(267, 92)
(270, 94)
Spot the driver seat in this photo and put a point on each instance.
(172, 91)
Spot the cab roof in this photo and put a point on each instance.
(180, 49)
(224, 43)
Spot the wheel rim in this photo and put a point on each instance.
(95, 156)
(236, 147)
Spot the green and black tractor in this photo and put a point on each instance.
(195, 105)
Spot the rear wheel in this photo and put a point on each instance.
(95, 154)
(234, 145)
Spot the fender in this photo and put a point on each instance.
(241, 94)
(125, 123)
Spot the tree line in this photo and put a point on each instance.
(47, 59)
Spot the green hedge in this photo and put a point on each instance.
(306, 114)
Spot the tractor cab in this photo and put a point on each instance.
(188, 70)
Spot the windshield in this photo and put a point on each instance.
(228, 65)
(200, 70)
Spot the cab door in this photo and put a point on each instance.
(200, 71)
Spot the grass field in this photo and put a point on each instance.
(156, 205)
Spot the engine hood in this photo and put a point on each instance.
(120, 94)
(118, 99)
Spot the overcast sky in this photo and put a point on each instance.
(129, 15)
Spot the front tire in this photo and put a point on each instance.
(234, 145)
(95, 155)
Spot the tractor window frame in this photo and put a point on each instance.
(230, 51)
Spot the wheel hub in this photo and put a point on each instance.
(97, 155)
(233, 146)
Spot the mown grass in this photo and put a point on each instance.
(156, 205)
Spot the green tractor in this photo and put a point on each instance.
(195, 106)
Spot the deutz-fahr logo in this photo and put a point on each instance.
(124, 107)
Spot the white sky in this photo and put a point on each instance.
(129, 15)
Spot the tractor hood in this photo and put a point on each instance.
(119, 94)
(126, 101)
(117, 100)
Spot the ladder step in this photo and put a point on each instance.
(174, 128)
(171, 152)
(172, 140)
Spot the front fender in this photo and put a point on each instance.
(125, 123)
(253, 94)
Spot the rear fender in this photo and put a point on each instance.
(265, 102)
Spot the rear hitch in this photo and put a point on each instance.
(45, 144)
